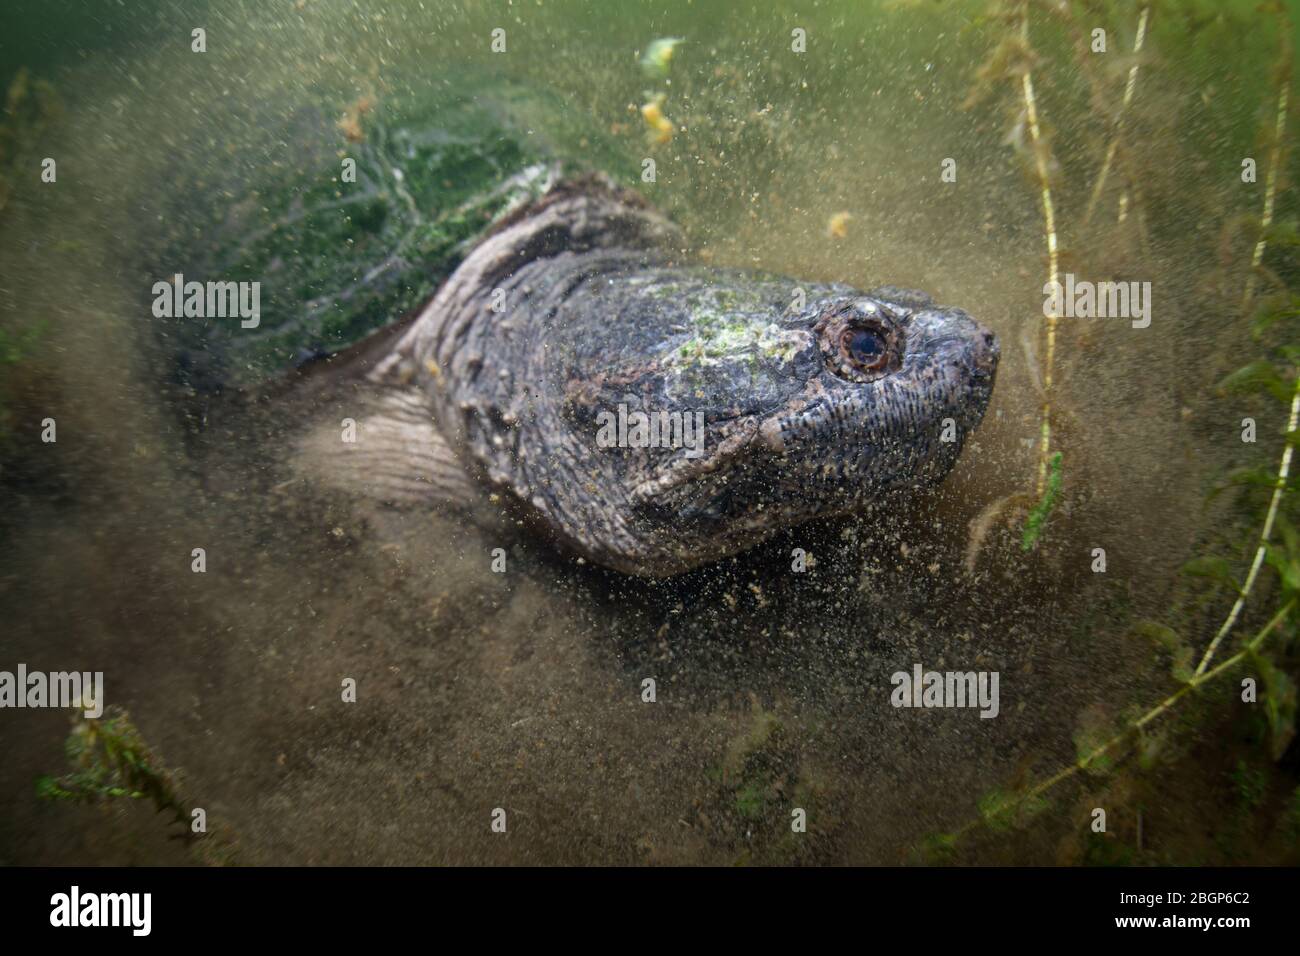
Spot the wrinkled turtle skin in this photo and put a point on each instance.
(814, 398)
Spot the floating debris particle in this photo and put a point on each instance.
(350, 123)
(658, 55)
(653, 114)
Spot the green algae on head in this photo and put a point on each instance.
(726, 321)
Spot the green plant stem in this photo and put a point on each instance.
(1283, 472)
(1053, 258)
(1155, 712)
(1129, 88)
(1275, 155)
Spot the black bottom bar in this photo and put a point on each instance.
(932, 905)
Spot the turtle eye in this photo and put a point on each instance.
(865, 348)
(860, 342)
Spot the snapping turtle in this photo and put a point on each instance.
(649, 412)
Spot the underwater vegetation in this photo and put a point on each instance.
(109, 760)
(1268, 507)
(31, 107)
(1231, 630)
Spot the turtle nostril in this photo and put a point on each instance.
(987, 352)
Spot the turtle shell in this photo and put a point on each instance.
(337, 259)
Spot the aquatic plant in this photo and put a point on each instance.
(1101, 749)
(1042, 163)
(1034, 523)
(1130, 86)
(110, 760)
(1013, 60)
(1282, 80)
(759, 781)
(31, 106)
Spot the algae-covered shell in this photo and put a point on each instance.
(348, 219)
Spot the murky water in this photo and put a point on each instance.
(523, 690)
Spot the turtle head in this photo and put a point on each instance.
(657, 415)
(816, 411)
(901, 383)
